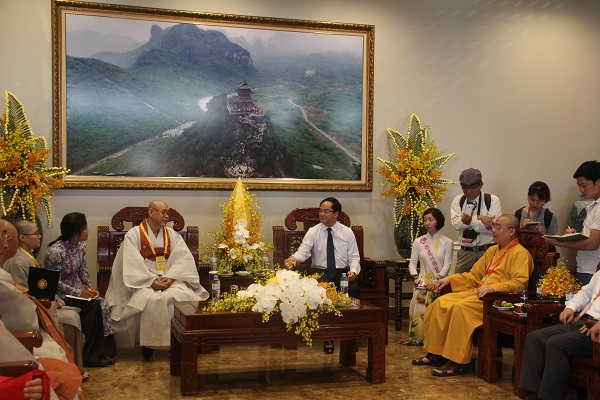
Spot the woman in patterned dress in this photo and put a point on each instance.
(67, 254)
(432, 252)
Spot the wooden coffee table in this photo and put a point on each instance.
(191, 327)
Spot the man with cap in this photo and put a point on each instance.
(473, 214)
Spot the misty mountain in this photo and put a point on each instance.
(294, 43)
(87, 43)
(185, 48)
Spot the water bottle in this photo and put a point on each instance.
(216, 287)
(214, 266)
(265, 260)
(344, 283)
(538, 289)
(569, 294)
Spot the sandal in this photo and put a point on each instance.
(84, 376)
(432, 359)
(450, 369)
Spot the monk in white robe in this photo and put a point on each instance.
(152, 269)
(452, 318)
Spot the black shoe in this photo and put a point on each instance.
(110, 360)
(147, 352)
(328, 347)
(97, 364)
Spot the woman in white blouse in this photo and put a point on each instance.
(432, 252)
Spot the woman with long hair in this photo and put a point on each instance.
(67, 254)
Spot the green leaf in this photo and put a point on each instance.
(15, 116)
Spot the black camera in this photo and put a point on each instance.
(470, 234)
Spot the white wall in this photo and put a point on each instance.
(511, 86)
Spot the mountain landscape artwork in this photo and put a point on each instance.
(149, 98)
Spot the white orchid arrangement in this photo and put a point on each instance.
(299, 299)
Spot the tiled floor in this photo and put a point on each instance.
(253, 372)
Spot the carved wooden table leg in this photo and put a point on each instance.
(487, 354)
(520, 334)
(376, 355)
(189, 364)
(175, 353)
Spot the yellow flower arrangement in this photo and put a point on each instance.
(414, 177)
(556, 281)
(25, 180)
(299, 299)
(238, 245)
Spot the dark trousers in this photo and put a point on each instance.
(96, 346)
(353, 290)
(545, 366)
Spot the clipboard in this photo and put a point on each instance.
(43, 283)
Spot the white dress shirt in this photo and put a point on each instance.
(315, 244)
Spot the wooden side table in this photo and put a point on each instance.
(540, 314)
(398, 271)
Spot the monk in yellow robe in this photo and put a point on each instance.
(452, 318)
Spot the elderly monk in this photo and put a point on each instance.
(152, 269)
(18, 266)
(19, 312)
(452, 318)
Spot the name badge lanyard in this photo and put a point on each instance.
(586, 308)
(489, 271)
(37, 264)
(161, 262)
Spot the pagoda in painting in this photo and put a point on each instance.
(242, 102)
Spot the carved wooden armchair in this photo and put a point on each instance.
(29, 339)
(371, 277)
(110, 241)
(544, 255)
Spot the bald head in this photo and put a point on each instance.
(8, 241)
(158, 214)
(506, 229)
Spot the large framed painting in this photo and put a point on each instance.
(159, 98)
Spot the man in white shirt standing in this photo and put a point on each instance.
(333, 249)
(472, 214)
(588, 250)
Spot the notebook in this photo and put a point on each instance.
(43, 283)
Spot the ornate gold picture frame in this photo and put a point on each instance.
(158, 98)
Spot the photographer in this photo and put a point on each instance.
(473, 214)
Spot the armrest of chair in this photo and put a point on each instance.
(596, 349)
(537, 310)
(29, 339)
(17, 368)
(372, 273)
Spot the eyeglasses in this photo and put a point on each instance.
(163, 212)
(466, 188)
(497, 227)
(325, 211)
(534, 201)
(31, 234)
